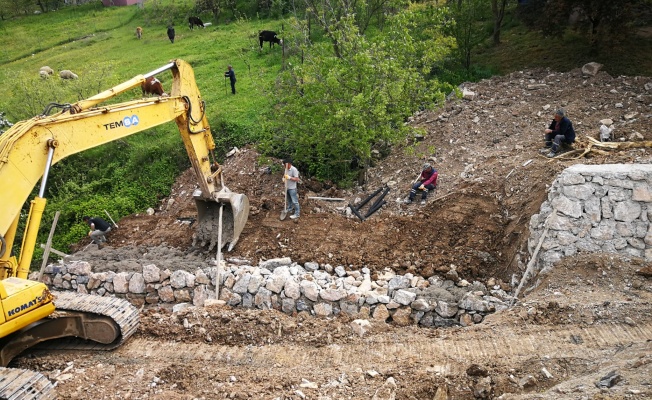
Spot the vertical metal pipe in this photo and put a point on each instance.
(48, 164)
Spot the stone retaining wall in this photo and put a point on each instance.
(599, 208)
(289, 287)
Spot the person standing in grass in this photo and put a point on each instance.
(230, 73)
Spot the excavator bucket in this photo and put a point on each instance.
(234, 208)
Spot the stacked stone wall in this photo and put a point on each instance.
(599, 208)
(280, 284)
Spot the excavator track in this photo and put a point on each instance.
(81, 321)
(123, 313)
(21, 384)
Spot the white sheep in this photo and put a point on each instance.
(67, 74)
(46, 70)
(44, 75)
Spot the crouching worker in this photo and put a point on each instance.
(559, 133)
(99, 228)
(426, 182)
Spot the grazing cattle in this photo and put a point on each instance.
(195, 21)
(67, 74)
(139, 32)
(171, 33)
(269, 36)
(153, 86)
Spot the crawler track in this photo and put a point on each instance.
(87, 312)
(120, 311)
(20, 384)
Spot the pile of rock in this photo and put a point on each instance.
(280, 284)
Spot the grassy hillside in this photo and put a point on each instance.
(113, 42)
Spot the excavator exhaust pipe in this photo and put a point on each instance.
(235, 211)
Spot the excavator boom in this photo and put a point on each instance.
(29, 313)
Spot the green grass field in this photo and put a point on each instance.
(80, 38)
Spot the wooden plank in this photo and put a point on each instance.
(55, 251)
(48, 245)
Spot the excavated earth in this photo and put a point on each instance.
(588, 317)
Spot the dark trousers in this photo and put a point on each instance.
(416, 186)
(232, 87)
(555, 141)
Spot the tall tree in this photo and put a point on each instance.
(469, 28)
(335, 108)
(329, 13)
(498, 10)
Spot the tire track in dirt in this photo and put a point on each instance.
(453, 354)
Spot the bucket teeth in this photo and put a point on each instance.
(235, 211)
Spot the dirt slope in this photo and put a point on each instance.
(590, 316)
(492, 179)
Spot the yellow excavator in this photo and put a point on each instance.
(30, 312)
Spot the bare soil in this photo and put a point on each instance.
(589, 316)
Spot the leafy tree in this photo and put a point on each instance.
(216, 7)
(330, 13)
(10, 8)
(469, 27)
(333, 109)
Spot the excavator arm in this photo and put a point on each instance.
(30, 148)
(27, 152)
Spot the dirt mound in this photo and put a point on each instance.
(491, 180)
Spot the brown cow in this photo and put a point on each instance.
(153, 86)
(139, 32)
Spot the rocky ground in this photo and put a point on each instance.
(589, 317)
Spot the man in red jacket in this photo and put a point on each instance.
(427, 181)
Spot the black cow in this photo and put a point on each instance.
(269, 36)
(195, 21)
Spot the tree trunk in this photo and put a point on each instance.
(498, 9)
